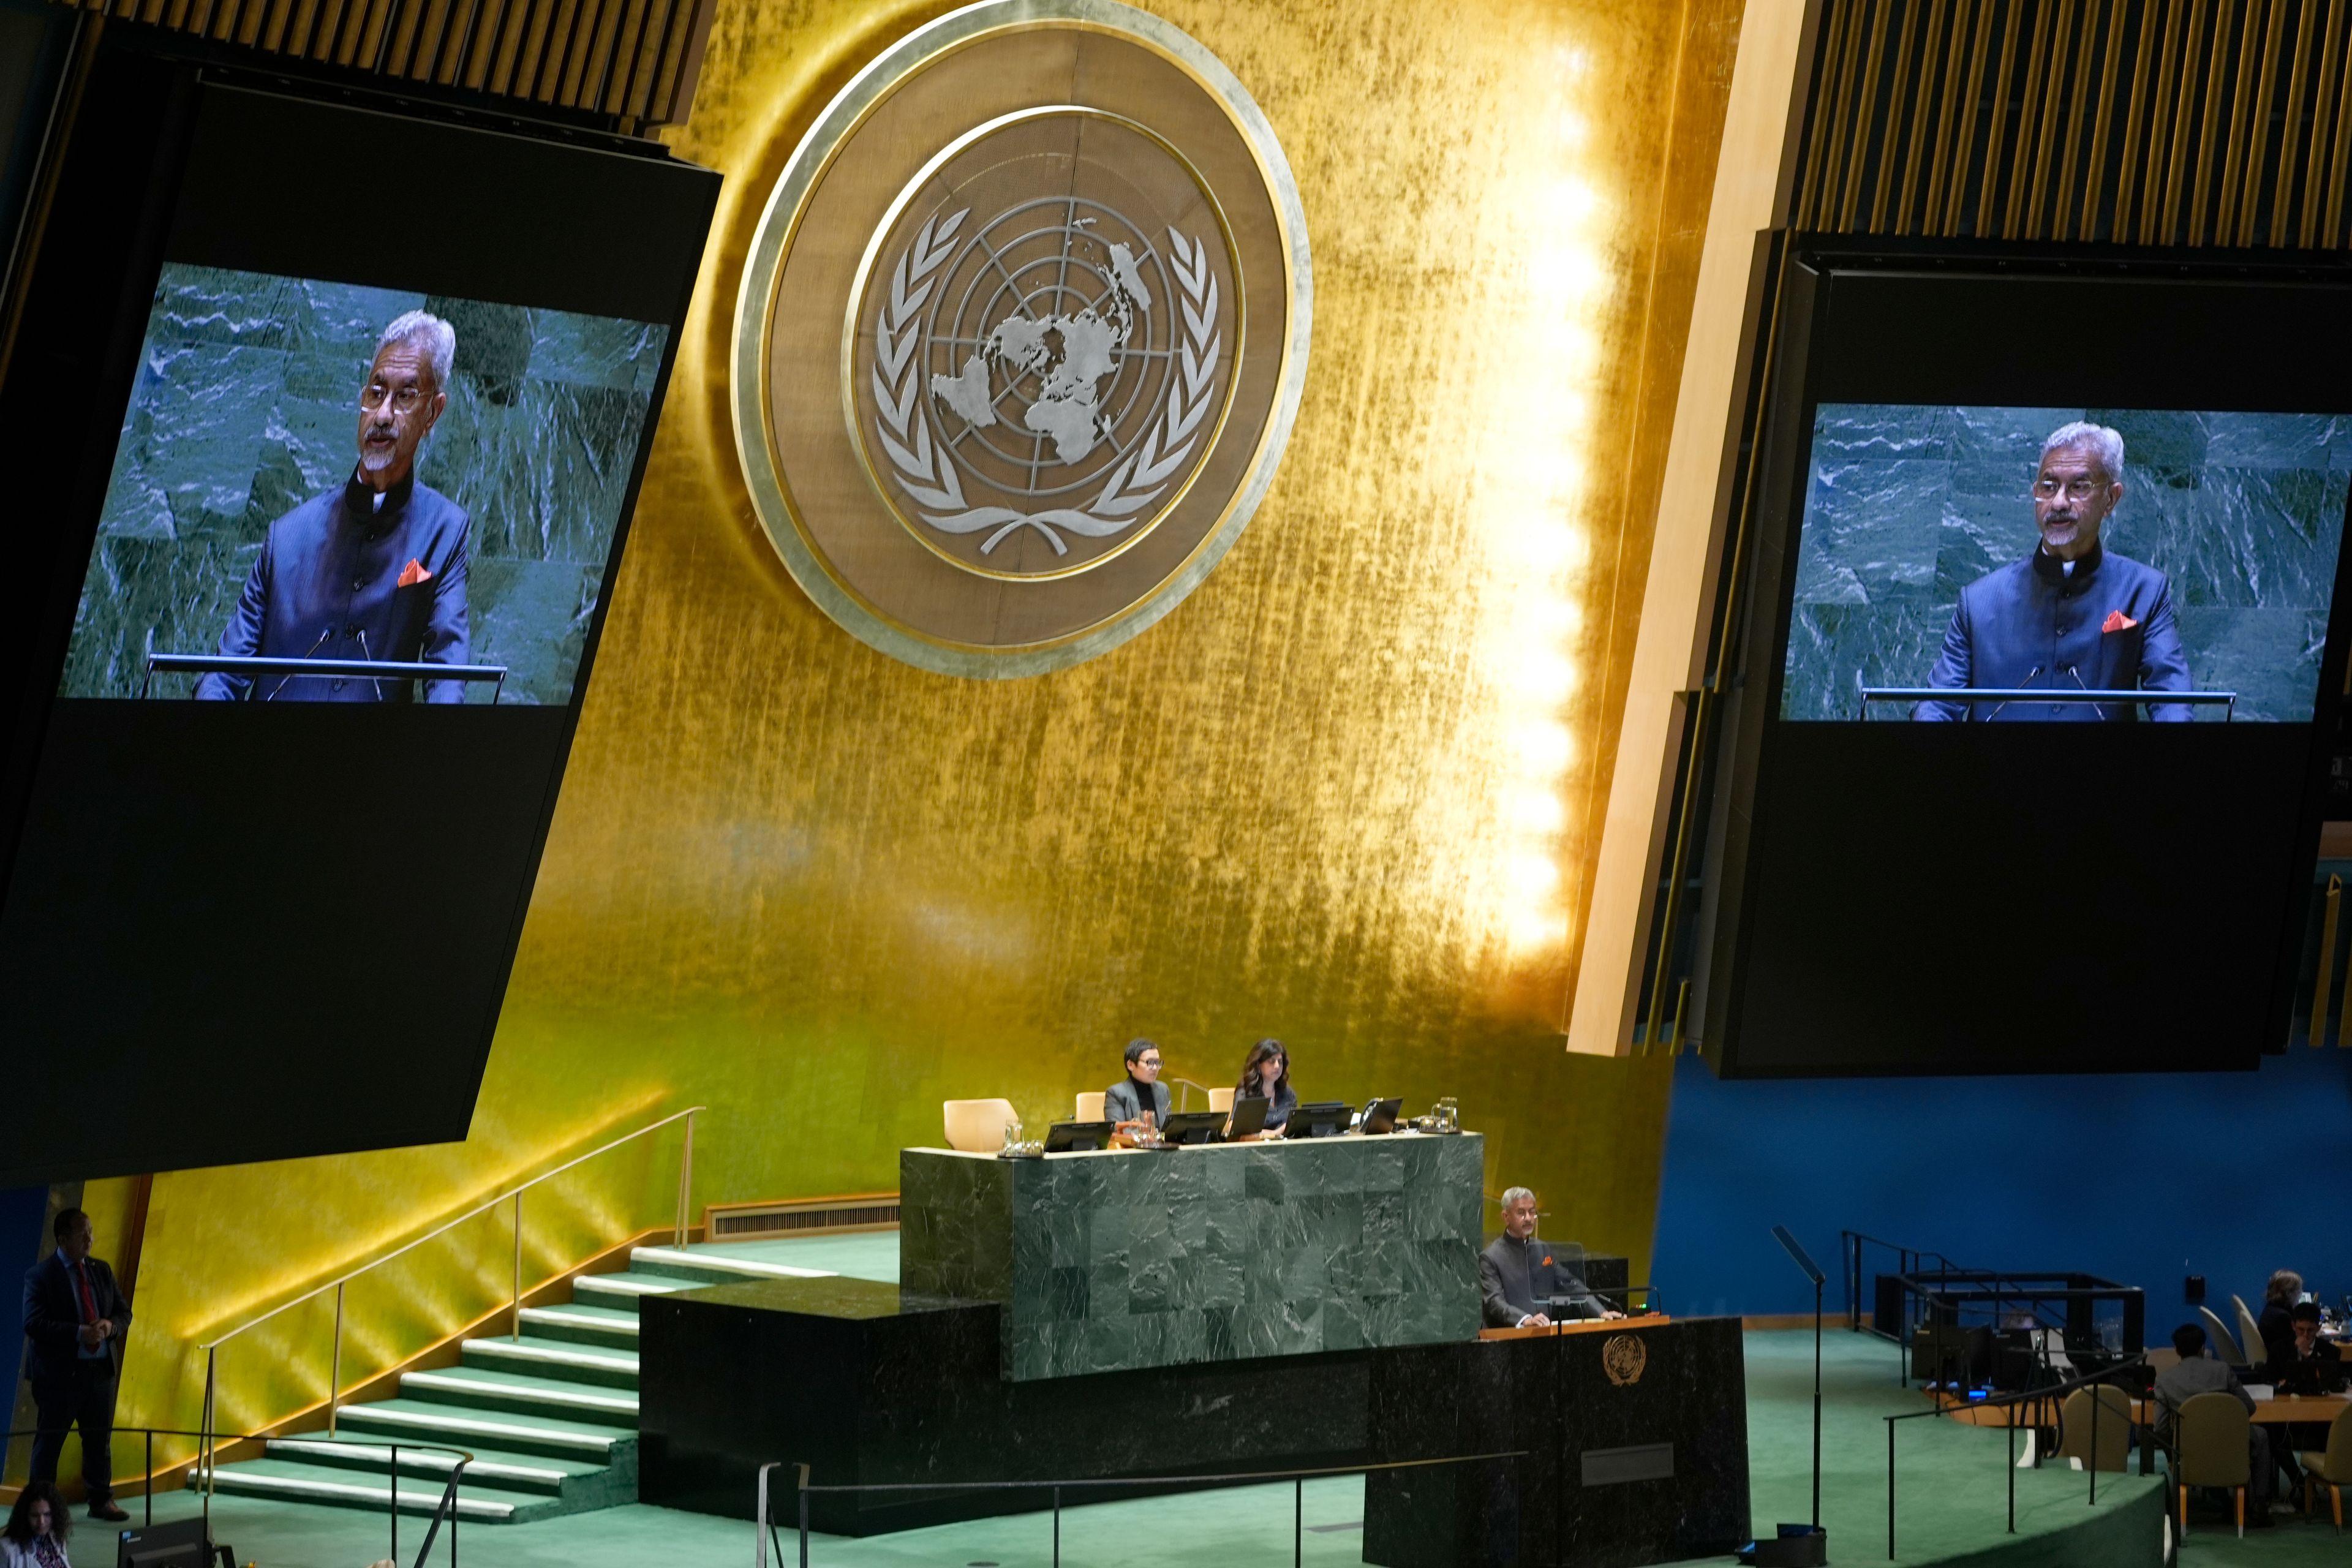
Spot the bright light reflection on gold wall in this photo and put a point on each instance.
(1340, 796)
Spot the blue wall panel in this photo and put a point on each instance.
(2142, 1178)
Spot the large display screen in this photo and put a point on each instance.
(319, 471)
(2054, 552)
(332, 418)
(2030, 663)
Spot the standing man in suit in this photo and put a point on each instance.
(1519, 1276)
(75, 1323)
(2071, 616)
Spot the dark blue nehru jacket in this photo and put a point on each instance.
(2106, 627)
(328, 586)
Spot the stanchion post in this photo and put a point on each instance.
(1058, 1527)
(2013, 1469)
(517, 1321)
(151, 1478)
(395, 1502)
(1890, 1488)
(803, 1520)
(1297, 1520)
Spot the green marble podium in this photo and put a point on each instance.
(1114, 1260)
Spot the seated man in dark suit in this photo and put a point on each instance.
(2071, 615)
(1520, 1276)
(374, 569)
(75, 1323)
(2196, 1373)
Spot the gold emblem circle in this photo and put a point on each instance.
(874, 269)
(864, 180)
(1624, 1358)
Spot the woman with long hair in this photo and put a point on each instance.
(37, 1527)
(1266, 1075)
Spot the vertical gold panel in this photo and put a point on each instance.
(2298, 80)
(2004, 65)
(1940, 165)
(823, 891)
(2324, 88)
(1898, 95)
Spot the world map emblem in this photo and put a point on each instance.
(1051, 262)
(1046, 351)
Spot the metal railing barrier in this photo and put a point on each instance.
(2041, 1398)
(763, 1536)
(208, 1456)
(446, 1507)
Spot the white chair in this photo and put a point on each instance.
(1222, 1099)
(2249, 1329)
(1091, 1106)
(977, 1126)
(2225, 1343)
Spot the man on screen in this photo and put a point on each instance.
(2071, 615)
(374, 569)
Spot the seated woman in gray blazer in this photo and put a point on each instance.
(1140, 1089)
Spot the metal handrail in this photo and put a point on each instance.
(377, 669)
(763, 1535)
(2146, 697)
(514, 1196)
(2021, 1396)
(448, 1504)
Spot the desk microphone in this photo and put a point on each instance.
(370, 658)
(2070, 669)
(1998, 706)
(306, 653)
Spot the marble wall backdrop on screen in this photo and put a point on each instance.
(245, 405)
(1908, 504)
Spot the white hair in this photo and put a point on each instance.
(436, 337)
(2105, 444)
(1513, 1195)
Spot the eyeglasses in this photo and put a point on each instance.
(2077, 489)
(1151, 1062)
(404, 400)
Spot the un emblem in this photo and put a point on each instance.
(1049, 259)
(1624, 1358)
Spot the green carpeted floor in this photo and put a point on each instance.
(1952, 1491)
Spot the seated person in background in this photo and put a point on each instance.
(2297, 1367)
(2197, 1373)
(1519, 1276)
(1266, 1075)
(1127, 1100)
(2276, 1322)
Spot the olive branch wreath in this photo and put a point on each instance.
(927, 473)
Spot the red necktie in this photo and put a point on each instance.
(88, 1301)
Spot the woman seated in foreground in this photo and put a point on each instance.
(1266, 1075)
(37, 1527)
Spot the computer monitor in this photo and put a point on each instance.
(1321, 1119)
(1065, 1137)
(181, 1543)
(1380, 1115)
(1193, 1127)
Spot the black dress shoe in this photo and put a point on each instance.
(109, 1511)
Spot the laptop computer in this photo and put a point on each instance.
(1249, 1116)
(1064, 1137)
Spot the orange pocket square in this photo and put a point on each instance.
(2118, 622)
(414, 572)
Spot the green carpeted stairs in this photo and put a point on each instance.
(551, 1418)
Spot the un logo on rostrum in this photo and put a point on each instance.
(1021, 335)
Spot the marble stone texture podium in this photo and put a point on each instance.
(1116, 1260)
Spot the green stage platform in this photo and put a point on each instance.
(1951, 1492)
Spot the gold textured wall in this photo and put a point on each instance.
(1342, 794)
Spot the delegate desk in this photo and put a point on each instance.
(1120, 1260)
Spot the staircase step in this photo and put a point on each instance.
(517, 1393)
(700, 1267)
(286, 1481)
(555, 1358)
(458, 1425)
(508, 1470)
(583, 1324)
(622, 1291)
